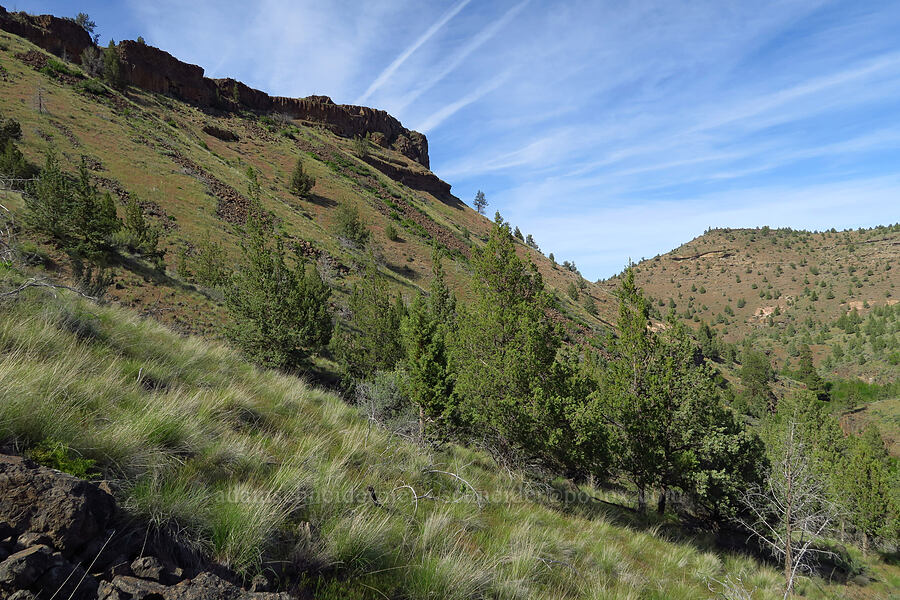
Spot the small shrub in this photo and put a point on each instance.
(350, 227)
(92, 86)
(361, 146)
(391, 232)
(55, 67)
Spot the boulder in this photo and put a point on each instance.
(69, 511)
(22, 569)
(32, 538)
(207, 586)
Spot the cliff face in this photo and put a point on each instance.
(59, 36)
(158, 71)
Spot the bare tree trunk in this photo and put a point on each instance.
(642, 500)
(661, 503)
(865, 545)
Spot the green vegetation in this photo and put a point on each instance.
(349, 226)
(113, 71)
(301, 182)
(279, 312)
(506, 430)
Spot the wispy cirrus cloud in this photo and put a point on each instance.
(471, 46)
(398, 62)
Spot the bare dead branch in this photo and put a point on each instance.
(42, 283)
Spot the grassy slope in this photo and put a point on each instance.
(131, 138)
(263, 453)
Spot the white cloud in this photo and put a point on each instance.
(397, 62)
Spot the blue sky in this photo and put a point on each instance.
(608, 130)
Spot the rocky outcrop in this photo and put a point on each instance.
(62, 37)
(68, 510)
(158, 71)
(62, 537)
(425, 181)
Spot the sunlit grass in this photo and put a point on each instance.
(257, 468)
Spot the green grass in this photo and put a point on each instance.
(255, 467)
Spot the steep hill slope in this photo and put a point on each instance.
(272, 475)
(182, 143)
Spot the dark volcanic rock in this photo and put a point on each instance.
(56, 35)
(223, 134)
(131, 588)
(150, 567)
(158, 71)
(23, 568)
(417, 180)
(207, 586)
(68, 510)
(30, 538)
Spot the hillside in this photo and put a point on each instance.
(781, 288)
(270, 469)
(181, 144)
(414, 401)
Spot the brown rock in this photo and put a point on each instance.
(66, 509)
(223, 134)
(59, 36)
(22, 569)
(131, 588)
(31, 538)
(150, 567)
(207, 586)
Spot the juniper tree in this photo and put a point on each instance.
(508, 383)
(669, 427)
(113, 71)
(806, 372)
(425, 332)
(350, 227)
(279, 312)
(140, 236)
(301, 183)
(869, 487)
(369, 339)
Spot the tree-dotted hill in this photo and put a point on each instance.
(838, 291)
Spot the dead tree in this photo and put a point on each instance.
(790, 512)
